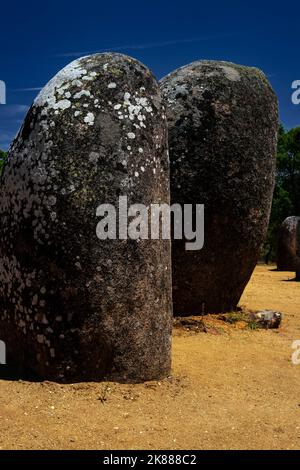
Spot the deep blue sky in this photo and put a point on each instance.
(39, 38)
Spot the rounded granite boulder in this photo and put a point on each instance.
(223, 122)
(287, 244)
(73, 306)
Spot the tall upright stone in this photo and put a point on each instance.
(72, 306)
(297, 262)
(223, 122)
(287, 244)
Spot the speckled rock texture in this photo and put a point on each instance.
(287, 244)
(72, 306)
(297, 263)
(223, 122)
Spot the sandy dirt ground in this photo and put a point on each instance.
(231, 388)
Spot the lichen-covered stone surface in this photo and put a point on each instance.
(297, 263)
(223, 123)
(73, 306)
(287, 244)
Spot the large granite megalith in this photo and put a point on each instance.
(223, 122)
(73, 306)
(297, 263)
(287, 244)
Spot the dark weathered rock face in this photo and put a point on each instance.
(287, 244)
(223, 122)
(297, 264)
(73, 306)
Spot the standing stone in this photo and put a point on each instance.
(298, 253)
(297, 267)
(73, 306)
(287, 244)
(223, 123)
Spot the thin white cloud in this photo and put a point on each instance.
(6, 136)
(11, 118)
(5, 139)
(142, 46)
(28, 89)
(12, 110)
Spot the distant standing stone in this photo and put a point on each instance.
(73, 306)
(298, 251)
(287, 244)
(223, 123)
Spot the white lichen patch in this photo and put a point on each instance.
(94, 157)
(89, 119)
(82, 93)
(62, 104)
(134, 108)
(231, 73)
(59, 95)
(59, 84)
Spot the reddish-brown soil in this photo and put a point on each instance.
(231, 388)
